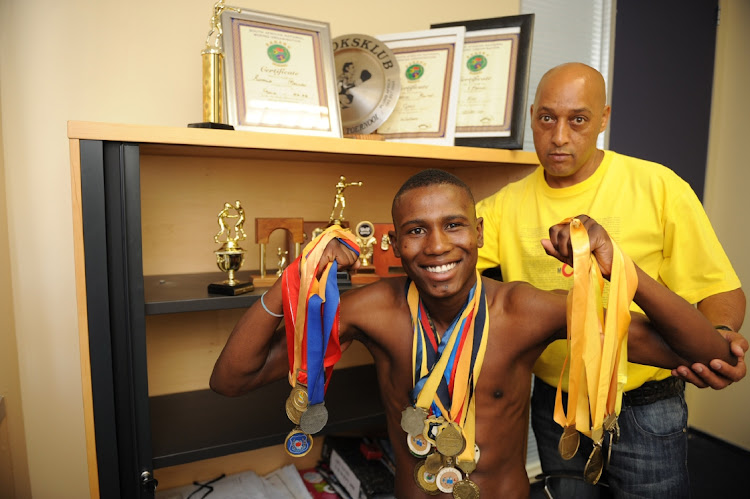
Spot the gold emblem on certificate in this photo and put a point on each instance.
(368, 84)
(230, 256)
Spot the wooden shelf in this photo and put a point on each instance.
(173, 294)
(199, 425)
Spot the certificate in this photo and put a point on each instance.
(279, 75)
(426, 107)
(486, 89)
(494, 81)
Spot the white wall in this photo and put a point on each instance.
(119, 61)
(724, 413)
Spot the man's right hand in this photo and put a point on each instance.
(335, 250)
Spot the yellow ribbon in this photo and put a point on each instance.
(597, 346)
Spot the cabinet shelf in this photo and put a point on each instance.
(202, 424)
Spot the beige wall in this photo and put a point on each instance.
(112, 61)
(724, 414)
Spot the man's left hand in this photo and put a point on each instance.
(719, 374)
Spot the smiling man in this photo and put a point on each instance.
(441, 315)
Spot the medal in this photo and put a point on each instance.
(594, 466)
(467, 466)
(450, 441)
(299, 397)
(569, 441)
(466, 489)
(425, 480)
(447, 477)
(297, 443)
(412, 420)
(292, 412)
(418, 445)
(314, 419)
(432, 428)
(433, 463)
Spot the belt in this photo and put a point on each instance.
(653, 391)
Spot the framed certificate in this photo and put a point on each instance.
(494, 81)
(279, 74)
(429, 63)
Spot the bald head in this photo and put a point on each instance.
(575, 74)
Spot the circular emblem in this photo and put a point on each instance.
(447, 478)
(365, 229)
(476, 63)
(278, 53)
(418, 445)
(368, 82)
(414, 72)
(297, 443)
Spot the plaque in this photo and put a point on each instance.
(367, 79)
(230, 256)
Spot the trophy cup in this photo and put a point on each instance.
(213, 74)
(230, 256)
(340, 201)
(365, 232)
(263, 229)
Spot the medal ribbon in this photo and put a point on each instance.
(446, 369)
(596, 346)
(311, 311)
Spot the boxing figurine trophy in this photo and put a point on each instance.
(230, 256)
(263, 229)
(340, 201)
(213, 74)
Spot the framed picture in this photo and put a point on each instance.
(279, 74)
(429, 72)
(494, 81)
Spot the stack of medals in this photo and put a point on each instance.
(440, 424)
(311, 320)
(598, 352)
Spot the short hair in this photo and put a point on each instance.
(426, 178)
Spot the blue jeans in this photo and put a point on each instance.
(649, 461)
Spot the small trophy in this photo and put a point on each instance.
(230, 256)
(340, 201)
(365, 232)
(213, 74)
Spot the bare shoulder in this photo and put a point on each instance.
(364, 308)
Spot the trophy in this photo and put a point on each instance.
(340, 201)
(365, 232)
(263, 229)
(230, 256)
(213, 74)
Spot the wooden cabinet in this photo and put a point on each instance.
(145, 210)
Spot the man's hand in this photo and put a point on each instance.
(346, 258)
(559, 246)
(720, 374)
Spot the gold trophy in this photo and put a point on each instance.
(365, 232)
(230, 256)
(340, 201)
(213, 74)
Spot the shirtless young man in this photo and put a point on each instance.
(437, 236)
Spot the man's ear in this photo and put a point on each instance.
(605, 118)
(392, 237)
(480, 232)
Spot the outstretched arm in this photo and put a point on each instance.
(689, 334)
(256, 352)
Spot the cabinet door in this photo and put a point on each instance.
(110, 199)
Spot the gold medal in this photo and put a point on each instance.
(447, 477)
(569, 442)
(432, 428)
(292, 412)
(412, 420)
(450, 441)
(594, 466)
(466, 489)
(299, 397)
(433, 463)
(425, 480)
(467, 466)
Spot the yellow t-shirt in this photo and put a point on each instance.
(652, 214)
